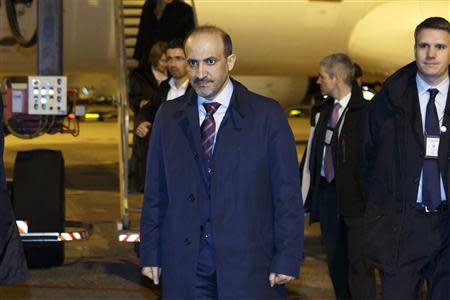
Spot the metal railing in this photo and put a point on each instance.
(124, 41)
(123, 116)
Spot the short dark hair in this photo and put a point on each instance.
(432, 23)
(175, 44)
(339, 63)
(157, 50)
(227, 43)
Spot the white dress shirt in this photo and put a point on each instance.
(440, 102)
(223, 98)
(343, 102)
(175, 92)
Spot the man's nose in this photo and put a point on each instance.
(201, 71)
(431, 52)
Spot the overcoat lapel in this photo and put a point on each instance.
(413, 112)
(189, 122)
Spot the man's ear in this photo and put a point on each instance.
(231, 60)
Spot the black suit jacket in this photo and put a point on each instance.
(347, 156)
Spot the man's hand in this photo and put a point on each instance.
(153, 273)
(143, 102)
(279, 279)
(143, 129)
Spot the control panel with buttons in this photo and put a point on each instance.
(47, 95)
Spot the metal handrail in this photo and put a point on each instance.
(123, 117)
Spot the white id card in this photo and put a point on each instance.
(432, 146)
(328, 136)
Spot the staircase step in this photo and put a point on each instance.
(131, 25)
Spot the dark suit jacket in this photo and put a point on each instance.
(256, 212)
(142, 85)
(148, 111)
(347, 156)
(176, 21)
(394, 149)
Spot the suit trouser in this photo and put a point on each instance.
(205, 281)
(343, 236)
(334, 237)
(139, 160)
(424, 256)
(361, 277)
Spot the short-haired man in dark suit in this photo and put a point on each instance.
(175, 86)
(222, 215)
(335, 194)
(407, 173)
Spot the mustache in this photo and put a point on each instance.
(202, 80)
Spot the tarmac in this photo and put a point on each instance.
(101, 267)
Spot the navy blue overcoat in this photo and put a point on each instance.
(256, 207)
(13, 266)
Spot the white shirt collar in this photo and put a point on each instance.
(174, 86)
(423, 86)
(344, 101)
(223, 97)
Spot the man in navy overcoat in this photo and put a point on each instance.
(222, 215)
(13, 266)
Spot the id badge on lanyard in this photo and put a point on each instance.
(432, 146)
(330, 131)
(328, 136)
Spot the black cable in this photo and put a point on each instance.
(15, 28)
(8, 41)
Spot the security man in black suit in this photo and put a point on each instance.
(335, 196)
(407, 173)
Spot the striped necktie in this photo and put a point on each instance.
(208, 128)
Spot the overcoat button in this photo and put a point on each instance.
(191, 197)
(187, 241)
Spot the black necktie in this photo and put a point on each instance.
(431, 184)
